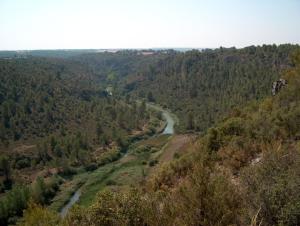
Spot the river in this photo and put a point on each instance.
(169, 129)
(170, 118)
(75, 197)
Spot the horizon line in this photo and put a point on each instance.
(145, 48)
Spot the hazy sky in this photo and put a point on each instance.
(66, 24)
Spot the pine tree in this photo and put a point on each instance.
(5, 167)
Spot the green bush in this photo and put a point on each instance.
(13, 203)
(23, 163)
(153, 162)
(111, 182)
(91, 167)
(109, 156)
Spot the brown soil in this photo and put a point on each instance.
(178, 144)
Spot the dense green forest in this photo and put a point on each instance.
(81, 120)
(243, 171)
(200, 87)
(56, 117)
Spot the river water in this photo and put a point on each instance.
(170, 120)
(169, 129)
(75, 197)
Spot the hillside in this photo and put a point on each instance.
(201, 87)
(57, 121)
(92, 123)
(243, 171)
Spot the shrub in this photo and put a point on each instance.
(176, 155)
(91, 167)
(111, 182)
(23, 163)
(232, 126)
(109, 156)
(13, 203)
(273, 187)
(38, 215)
(153, 162)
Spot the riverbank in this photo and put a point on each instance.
(170, 118)
(131, 169)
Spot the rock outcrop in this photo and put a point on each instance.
(276, 87)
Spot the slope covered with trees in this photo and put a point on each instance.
(243, 171)
(41, 96)
(62, 118)
(57, 119)
(201, 87)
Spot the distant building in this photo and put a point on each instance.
(146, 53)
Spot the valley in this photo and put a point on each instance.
(125, 138)
(130, 169)
(149, 113)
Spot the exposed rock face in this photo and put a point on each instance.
(278, 85)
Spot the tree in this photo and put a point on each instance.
(142, 109)
(193, 91)
(13, 204)
(58, 151)
(5, 167)
(6, 115)
(39, 191)
(190, 121)
(53, 143)
(99, 130)
(150, 97)
(2, 133)
(43, 152)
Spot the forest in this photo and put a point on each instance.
(201, 87)
(54, 117)
(84, 121)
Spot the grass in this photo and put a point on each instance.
(122, 173)
(66, 191)
(96, 182)
(157, 141)
(128, 170)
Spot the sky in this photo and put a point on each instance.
(104, 24)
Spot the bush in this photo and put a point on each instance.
(273, 187)
(23, 163)
(13, 203)
(42, 192)
(213, 139)
(111, 182)
(38, 215)
(143, 148)
(109, 156)
(232, 126)
(176, 155)
(153, 162)
(110, 208)
(153, 150)
(91, 167)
